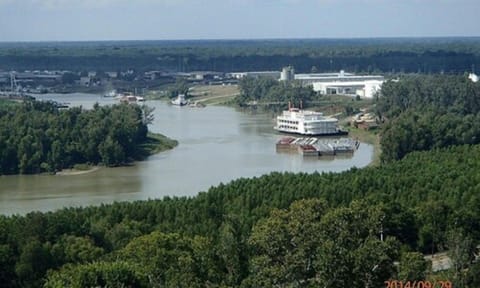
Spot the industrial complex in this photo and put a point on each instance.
(341, 83)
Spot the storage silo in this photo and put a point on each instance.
(287, 74)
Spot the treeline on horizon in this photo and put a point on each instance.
(376, 55)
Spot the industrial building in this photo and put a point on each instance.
(364, 89)
(254, 74)
(343, 83)
(340, 83)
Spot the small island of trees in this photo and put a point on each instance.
(37, 136)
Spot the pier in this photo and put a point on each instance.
(315, 147)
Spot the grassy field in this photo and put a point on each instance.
(7, 103)
(214, 94)
(156, 94)
(334, 104)
(203, 94)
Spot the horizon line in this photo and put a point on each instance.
(240, 39)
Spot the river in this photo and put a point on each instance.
(216, 145)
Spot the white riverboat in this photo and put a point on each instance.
(180, 100)
(111, 94)
(305, 122)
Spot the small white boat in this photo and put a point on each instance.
(131, 99)
(180, 100)
(111, 93)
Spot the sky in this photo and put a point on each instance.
(85, 20)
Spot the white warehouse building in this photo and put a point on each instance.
(366, 89)
(343, 83)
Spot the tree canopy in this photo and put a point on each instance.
(428, 112)
(40, 137)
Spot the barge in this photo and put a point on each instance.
(309, 146)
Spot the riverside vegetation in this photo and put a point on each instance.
(38, 137)
(284, 229)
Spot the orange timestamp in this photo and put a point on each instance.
(417, 284)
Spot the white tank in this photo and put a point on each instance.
(473, 77)
(287, 74)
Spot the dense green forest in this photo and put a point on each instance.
(271, 93)
(387, 55)
(260, 233)
(40, 137)
(425, 112)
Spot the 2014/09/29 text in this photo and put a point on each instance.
(417, 284)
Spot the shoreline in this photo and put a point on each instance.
(73, 171)
(370, 138)
(156, 143)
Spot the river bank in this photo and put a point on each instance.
(371, 137)
(156, 143)
(76, 171)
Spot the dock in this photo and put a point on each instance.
(315, 147)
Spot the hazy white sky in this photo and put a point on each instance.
(70, 20)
